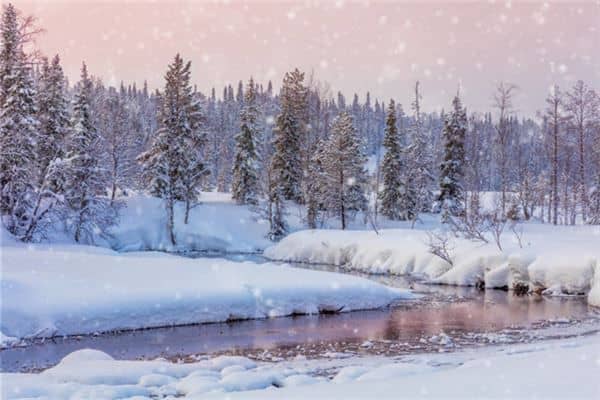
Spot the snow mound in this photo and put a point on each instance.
(216, 224)
(561, 258)
(93, 374)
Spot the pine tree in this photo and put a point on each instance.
(503, 103)
(391, 168)
(18, 128)
(245, 184)
(53, 115)
(214, 139)
(452, 198)
(11, 48)
(119, 136)
(289, 135)
(173, 167)
(222, 179)
(344, 174)
(18, 138)
(421, 178)
(228, 126)
(194, 168)
(315, 185)
(47, 200)
(86, 181)
(276, 212)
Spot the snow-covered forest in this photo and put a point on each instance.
(73, 152)
(306, 185)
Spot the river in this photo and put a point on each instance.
(442, 319)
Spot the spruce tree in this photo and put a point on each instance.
(421, 178)
(54, 118)
(344, 174)
(276, 203)
(47, 200)
(18, 137)
(228, 126)
(173, 166)
(391, 168)
(245, 183)
(86, 181)
(452, 198)
(289, 135)
(9, 54)
(285, 169)
(194, 167)
(315, 185)
(120, 139)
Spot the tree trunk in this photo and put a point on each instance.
(503, 181)
(342, 208)
(78, 229)
(550, 202)
(542, 201)
(34, 220)
(555, 198)
(113, 192)
(582, 185)
(187, 212)
(115, 168)
(171, 221)
(80, 219)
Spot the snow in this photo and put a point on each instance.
(551, 369)
(50, 290)
(561, 258)
(93, 374)
(216, 224)
(594, 295)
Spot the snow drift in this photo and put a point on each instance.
(557, 260)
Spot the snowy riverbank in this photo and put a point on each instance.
(50, 290)
(565, 368)
(556, 260)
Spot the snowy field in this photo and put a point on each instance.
(566, 368)
(50, 290)
(557, 260)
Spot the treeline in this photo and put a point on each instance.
(70, 153)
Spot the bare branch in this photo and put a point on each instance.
(439, 245)
(517, 230)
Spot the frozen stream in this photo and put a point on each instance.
(443, 319)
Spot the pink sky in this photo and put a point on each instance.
(381, 47)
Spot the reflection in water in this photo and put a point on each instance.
(444, 309)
